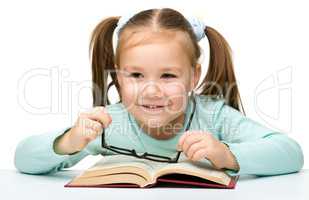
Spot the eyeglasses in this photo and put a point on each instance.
(148, 156)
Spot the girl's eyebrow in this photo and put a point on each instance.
(169, 68)
(132, 67)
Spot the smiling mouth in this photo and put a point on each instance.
(152, 107)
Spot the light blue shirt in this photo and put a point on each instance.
(257, 149)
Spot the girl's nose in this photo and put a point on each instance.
(152, 89)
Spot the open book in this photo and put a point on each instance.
(127, 171)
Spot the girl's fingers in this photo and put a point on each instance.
(191, 140)
(193, 149)
(99, 114)
(88, 126)
(182, 139)
(199, 154)
(187, 140)
(90, 134)
(96, 126)
(180, 142)
(88, 123)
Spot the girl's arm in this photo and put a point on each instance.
(257, 149)
(36, 155)
(50, 152)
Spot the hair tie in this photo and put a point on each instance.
(198, 27)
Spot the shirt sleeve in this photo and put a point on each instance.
(35, 154)
(258, 150)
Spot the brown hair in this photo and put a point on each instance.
(219, 82)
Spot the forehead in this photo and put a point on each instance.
(166, 48)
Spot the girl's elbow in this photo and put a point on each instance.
(24, 165)
(297, 156)
(300, 158)
(20, 159)
(23, 156)
(291, 154)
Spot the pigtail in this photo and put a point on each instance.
(220, 79)
(102, 60)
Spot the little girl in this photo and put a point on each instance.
(154, 61)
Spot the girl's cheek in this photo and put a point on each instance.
(175, 89)
(129, 95)
(130, 86)
(177, 96)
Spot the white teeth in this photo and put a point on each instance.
(152, 106)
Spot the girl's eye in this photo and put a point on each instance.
(139, 75)
(135, 75)
(169, 76)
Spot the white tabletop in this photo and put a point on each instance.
(15, 185)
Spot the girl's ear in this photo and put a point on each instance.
(195, 76)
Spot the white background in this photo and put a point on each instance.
(270, 50)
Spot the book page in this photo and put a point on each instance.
(123, 160)
(151, 170)
(122, 163)
(202, 169)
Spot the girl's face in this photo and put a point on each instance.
(155, 78)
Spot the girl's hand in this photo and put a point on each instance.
(88, 127)
(198, 145)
